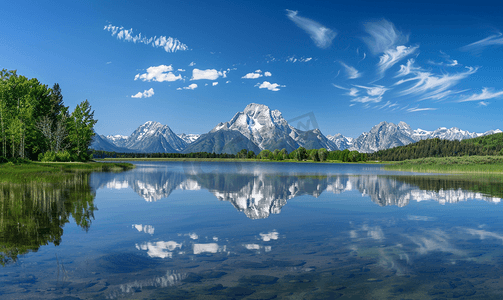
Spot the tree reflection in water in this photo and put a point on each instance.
(34, 214)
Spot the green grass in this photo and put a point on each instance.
(456, 165)
(53, 172)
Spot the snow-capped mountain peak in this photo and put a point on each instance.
(269, 130)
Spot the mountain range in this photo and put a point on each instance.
(258, 127)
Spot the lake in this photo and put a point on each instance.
(232, 230)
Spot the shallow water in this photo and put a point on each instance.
(202, 230)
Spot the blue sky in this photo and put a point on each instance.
(193, 64)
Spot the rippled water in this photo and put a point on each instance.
(181, 230)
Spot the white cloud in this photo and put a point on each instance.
(252, 75)
(416, 109)
(294, 59)
(209, 74)
(267, 74)
(321, 35)
(407, 69)
(181, 70)
(192, 64)
(352, 91)
(169, 44)
(493, 40)
(192, 86)
(366, 99)
(374, 91)
(109, 62)
(485, 95)
(483, 103)
(270, 86)
(392, 56)
(146, 94)
(228, 81)
(214, 83)
(383, 36)
(160, 74)
(351, 71)
(449, 63)
(433, 84)
(266, 237)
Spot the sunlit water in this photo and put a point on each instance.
(182, 230)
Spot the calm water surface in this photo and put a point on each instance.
(184, 230)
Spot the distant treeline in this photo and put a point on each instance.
(484, 145)
(300, 154)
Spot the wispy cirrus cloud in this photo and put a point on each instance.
(270, 86)
(486, 94)
(492, 40)
(351, 72)
(169, 44)
(374, 91)
(321, 35)
(351, 91)
(416, 109)
(294, 59)
(408, 68)
(432, 86)
(159, 73)
(146, 94)
(374, 94)
(209, 74)
(392, 56)
(383, 36)
(386, 39)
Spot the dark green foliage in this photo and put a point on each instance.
(322, 154)
(80, 131)
(347, 156)
(486, 145)
(33, 121)
(300, 154)
(265, 154)
(490, 143)
(250, 154)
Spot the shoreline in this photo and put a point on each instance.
(235, 160)
(54, 171)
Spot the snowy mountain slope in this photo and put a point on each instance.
(101, 142)
(188, 138)
(340, 141)
(268, 129)
(388, 135)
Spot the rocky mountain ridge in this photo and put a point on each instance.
(258, 127)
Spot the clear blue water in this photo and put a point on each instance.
(184, 230)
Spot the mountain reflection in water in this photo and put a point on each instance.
(260, 194)
(328, 243)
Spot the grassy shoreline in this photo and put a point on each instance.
(54, 171)
(452, 165)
